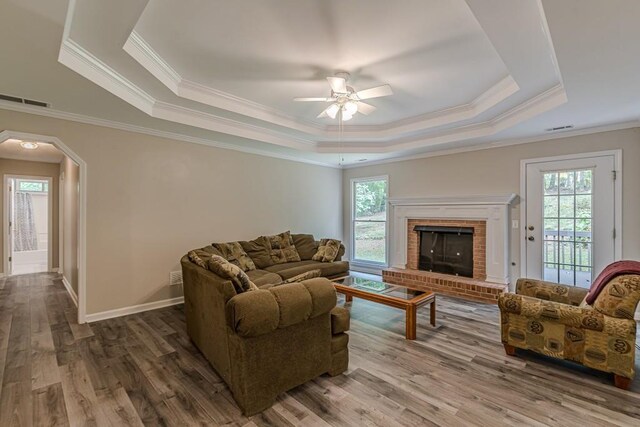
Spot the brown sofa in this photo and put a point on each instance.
(267, 341)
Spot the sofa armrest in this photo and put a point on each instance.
(577, 317)
(549, 291)
(262, 311)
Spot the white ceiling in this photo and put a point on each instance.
(11, 149)
(465, 73)
(269, 52)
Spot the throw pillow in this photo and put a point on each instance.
(306, 245)
(282, 249)
(227, 270)
(233, 252)
(304, 276)
(619, 297)
(194, 258)
(328, 250)
(259, 251)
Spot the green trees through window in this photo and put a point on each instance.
(370, 220)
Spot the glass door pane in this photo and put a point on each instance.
(567, 218)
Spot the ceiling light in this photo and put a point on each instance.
(351, 107)
(346, 116)
(29, 145)
(332, 111)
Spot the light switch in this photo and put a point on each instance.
(515, 223)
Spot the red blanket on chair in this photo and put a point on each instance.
(611, 271)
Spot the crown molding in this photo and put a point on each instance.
(150, 60)
(84, 63)
(141, 51)
(499, 144)
(543, 102)
(89, 66)
(89, 120)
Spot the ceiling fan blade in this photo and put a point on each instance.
(365, 109)
(375, 92)
(312, 99)
(338, 84)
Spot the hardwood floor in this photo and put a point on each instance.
(143, 370)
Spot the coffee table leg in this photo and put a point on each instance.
(411, 322)
(432, 312)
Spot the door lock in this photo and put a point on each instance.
(531, 228)
(531, 238)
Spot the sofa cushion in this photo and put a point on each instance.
(262, 311)
(233, 252)
(259, 251)
(306, 245)
(227, 270)
(263, 277)
(281, 248)
(327, 269)
(327, 251)
(340, 320)
(295, 303)
(619, 298)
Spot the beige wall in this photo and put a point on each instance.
(152, 199)
(497, 171)
(69, 178)
(20, 167)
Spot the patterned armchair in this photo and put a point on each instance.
(553, 320)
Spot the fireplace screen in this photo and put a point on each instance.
(447, 250)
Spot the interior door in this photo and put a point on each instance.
(570, 219)
(11, 216)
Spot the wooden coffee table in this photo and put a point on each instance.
(392, 295)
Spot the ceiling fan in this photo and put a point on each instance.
(345, 101)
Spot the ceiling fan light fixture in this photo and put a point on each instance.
(345, 115)
(332, 111)
(351, 107)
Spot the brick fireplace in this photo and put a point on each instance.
(479, 242)
(486, 216)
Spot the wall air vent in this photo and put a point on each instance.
(559, 128)
(17, 100)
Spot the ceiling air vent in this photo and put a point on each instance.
(559, 128)
(23, 101)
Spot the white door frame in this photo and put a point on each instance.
(5, 217)
(82, 206)
(617, 197)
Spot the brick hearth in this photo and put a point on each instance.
(457, 286)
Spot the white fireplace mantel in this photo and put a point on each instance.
(492, 209)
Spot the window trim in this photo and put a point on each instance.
(352, 219)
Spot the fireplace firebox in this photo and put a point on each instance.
(447, 250)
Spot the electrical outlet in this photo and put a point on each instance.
(175, 278)
(515, 223)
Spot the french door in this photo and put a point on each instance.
(569, 219)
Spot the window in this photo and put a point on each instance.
(567, 215)
(33, 186)
(369, 222)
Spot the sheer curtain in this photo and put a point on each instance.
(25, 234)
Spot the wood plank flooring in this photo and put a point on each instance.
(143, 370)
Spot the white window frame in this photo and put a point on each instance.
(352, 247)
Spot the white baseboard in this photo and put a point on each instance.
(124, 311)
(72, 293)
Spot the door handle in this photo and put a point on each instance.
(531, 238)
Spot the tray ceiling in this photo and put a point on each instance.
(459, 69)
